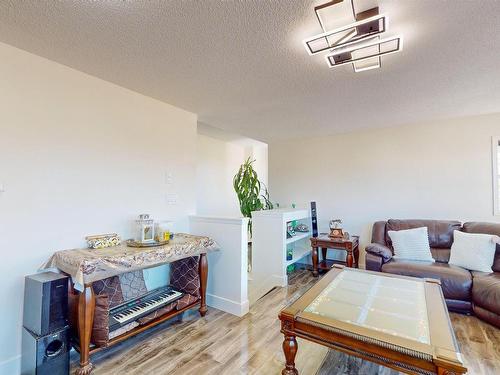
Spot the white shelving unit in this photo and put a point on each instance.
(299, 236)
(269, 248)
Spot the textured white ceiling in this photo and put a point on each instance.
(241, 65)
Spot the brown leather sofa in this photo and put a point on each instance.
(464, 291)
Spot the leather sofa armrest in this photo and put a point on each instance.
(382, 251)
(373, 262)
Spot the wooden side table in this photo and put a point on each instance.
(351, 246)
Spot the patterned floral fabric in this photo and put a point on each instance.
(158, 313)
(100, 329)
(132, 284)
(88, 265)
(117, 278)
(111, 287)
(184, 276)
(115, 290)
(186, 300)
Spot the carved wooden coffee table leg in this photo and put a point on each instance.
(86, 306)
(290, 349)
(314, 255)
(203, 272)
(356, 256)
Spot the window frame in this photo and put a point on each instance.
(495, 151)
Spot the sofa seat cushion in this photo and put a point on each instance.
(486, 290)
(456, 282)
(487, 315)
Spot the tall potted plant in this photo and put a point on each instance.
(248, 188)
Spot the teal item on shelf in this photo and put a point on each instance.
(289, 254)
(290, 268)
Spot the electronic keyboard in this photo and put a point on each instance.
(144, 305)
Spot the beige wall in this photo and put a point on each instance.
(219, 156)
(78, 156)
(440, 170)
(217, 163)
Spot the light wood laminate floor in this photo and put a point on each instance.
(221, 343)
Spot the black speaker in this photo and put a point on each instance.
(45, 302)
(45, 355)
(314, 218)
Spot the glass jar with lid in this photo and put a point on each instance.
(163, 230)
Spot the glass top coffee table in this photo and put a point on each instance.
(396, 321)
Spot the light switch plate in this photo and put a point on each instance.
(169, 178)
(172, 198)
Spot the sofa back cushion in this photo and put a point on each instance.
(411, 244)
(473, 251)
(487, 228)
(441, 255)
(440, 231)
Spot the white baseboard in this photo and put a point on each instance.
(11, 366)
(227, 305)
(258, 287)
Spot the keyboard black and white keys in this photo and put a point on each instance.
(141, 306)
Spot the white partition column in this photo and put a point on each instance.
(227, 287)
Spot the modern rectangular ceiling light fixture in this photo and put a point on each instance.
(367, 64)
(352, 37)
(364, 52)
(332, 17)
(346, 35)
(370, 63)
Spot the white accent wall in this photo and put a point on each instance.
(435, 170)
(219, 157)
(79, 156)
(217, 163)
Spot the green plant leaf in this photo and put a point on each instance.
(248, 188)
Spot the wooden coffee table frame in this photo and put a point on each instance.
(445, 357)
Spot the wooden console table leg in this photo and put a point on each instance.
(314, 255)
(290, 349)
(86, 306)
(203, 272)
(356, 256)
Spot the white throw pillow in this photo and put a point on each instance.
(473, 251)
(411, 244)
